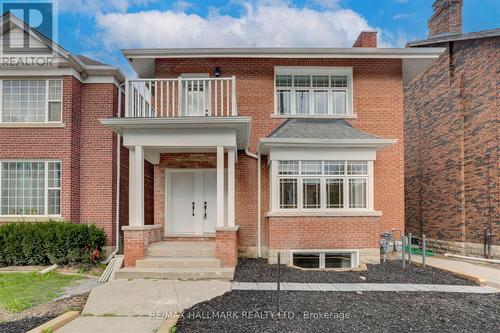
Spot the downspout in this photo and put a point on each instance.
(259, 218)
(118, 166)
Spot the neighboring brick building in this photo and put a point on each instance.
(56, 159)
(452, 142)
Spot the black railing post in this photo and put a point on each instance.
(278, 284)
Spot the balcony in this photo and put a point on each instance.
(181, 97)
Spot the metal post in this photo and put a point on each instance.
(409, 250)
(423, 250)
(403, 238)
(278, 284)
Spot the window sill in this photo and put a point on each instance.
(32, 125)
(328, 116)
(30, 218)
(356, 213)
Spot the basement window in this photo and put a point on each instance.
(326, 259)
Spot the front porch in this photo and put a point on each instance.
(194, 161)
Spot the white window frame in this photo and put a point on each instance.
(276, 195)
(353, 252)
(313, 71)
(46, 190)
(47, 101)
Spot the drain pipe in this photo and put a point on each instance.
(259, 185)
(118, 166)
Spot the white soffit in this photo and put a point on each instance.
(414, 60)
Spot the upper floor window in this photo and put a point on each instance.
(31, 101)
(313, 91)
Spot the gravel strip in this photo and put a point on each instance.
(255, 311)
(258, 270)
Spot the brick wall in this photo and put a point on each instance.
(86, 149)
(451, 123)
(378, 102)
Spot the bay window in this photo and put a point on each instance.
(323, 185)
(31, 101)
(30, 188)
(313, 91)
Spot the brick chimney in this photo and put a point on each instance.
(366, 39)
(447, 17)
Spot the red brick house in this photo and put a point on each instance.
(225, 152)
(255, 151)
(451, 129)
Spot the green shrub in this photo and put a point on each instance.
(50, 242)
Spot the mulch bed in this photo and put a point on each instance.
(36, 316)
(252, 311)
(258, 270)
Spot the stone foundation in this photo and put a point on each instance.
(137, 240)
(226, 246)
(462, 248)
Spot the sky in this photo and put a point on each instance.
(100, 28)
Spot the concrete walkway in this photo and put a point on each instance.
(363, 287)
(489, 272)
(140, 305)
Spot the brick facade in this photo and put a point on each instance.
(226, 247)
(451, 124)
(378, 103)
(86, 149)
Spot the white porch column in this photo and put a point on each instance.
(220, 187)
(136, 186)
(230, 186)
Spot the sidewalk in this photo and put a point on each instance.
(138, 306)
(398, 287)
(489, 272)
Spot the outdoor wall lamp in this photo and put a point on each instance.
(217, 71)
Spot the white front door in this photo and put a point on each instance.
(191, 201)
(182, 203)
(209, 201)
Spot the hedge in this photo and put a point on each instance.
(44, 243)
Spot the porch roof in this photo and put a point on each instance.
(176, 126)
(315, 133)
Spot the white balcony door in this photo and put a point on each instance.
(191, 201)
(195, 94)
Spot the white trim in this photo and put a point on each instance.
(334, 213)
(267, 144)
(283, 52)
(231, 152)
(315, 154)
(57, 72)
(354, 256)
(220, 187)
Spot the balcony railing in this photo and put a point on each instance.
(181, 97)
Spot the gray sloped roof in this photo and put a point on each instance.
(328, 129)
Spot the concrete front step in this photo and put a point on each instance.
(225, 274)
(181, 262)
(182, 249)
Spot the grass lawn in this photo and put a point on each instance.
(21, 291)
